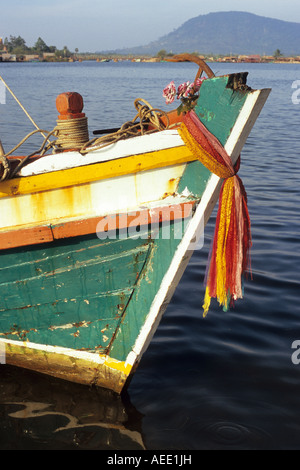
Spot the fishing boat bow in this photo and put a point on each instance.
(95, 236)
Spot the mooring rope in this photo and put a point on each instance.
(146, 121)
(6, 168)
(73, 134)
(8, 172)
(20, 104)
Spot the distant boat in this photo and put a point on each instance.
(94, 238)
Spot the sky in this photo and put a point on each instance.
(98, 25)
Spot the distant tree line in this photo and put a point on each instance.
(17, 45)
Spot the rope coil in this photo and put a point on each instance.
(146, 121)
(71, 133)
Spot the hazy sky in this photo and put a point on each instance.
(91, 25)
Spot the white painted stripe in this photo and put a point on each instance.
(124, 148)
(92, 357)
(115, 195)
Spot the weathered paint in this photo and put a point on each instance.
(65, 288)
(37, 234)
(125, 148)
(88, 369)
(219, 106)
(113, 195)
(97, 172)
(74, 278)
(86, 309)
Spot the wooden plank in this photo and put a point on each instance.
(67, 364)
(75, 228)
(69, 295)
(125, 148)
(116, 195)
(99, 171)
(26, 236)
(123, 221)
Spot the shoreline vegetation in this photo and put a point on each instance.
(16, 50)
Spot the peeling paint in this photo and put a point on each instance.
(57, 206)
(62, 327)
(15, 330)
(82, 324)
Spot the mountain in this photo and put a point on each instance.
(227, 33)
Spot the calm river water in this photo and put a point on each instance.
(224, 382)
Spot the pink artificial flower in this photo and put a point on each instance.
(170, 93)
(183, 90)
(198, 84)
(191, 89)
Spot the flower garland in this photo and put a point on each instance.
(187, 92)
(230, 254)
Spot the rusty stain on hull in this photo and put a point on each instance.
(88, 200)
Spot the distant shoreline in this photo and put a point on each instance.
(101, 59)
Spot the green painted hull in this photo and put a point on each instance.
(91, 295)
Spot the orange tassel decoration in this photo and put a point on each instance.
(230, 254)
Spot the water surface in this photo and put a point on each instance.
(226, 382)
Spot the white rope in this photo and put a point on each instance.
(22, 107)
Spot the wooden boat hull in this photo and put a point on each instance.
(92, 250)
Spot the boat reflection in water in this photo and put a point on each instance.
(41, 413)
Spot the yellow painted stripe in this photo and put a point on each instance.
(120, 366)
(99, 171)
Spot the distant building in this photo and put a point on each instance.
(228, 59)
(250, 58)
(31, 57)
(253, 58)
(48, 55)
(6, 57)
(268, 58)
(288, 59)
